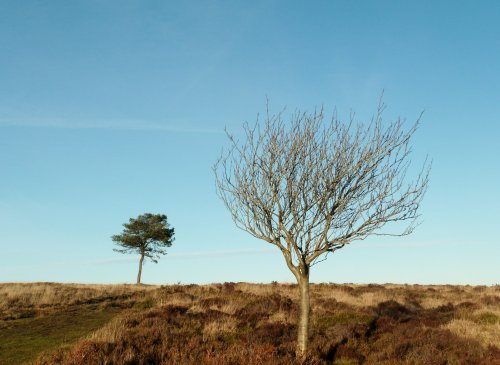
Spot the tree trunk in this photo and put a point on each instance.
(303, 325)
(140, 269)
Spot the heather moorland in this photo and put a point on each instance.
(242, 323)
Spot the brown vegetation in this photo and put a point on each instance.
(255, 324)
(38, 317)
(24, 300)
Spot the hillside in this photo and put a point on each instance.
(241, 323)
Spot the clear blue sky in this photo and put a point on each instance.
(109, 109)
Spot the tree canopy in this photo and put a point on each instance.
(148, 235)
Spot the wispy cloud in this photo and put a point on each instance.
(125, 124)
(133, 258)
(236, 252)
(188, 255)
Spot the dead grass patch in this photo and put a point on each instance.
(487, 334)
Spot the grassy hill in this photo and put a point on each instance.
(241, 323)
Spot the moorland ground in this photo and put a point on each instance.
(241, 323)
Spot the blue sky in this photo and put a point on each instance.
(109, 109)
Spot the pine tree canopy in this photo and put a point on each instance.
(148, 234)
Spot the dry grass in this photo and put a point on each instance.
(281, 316)
(241, 323)
(38, 317)
(111, 331)
(219, 327)
(42, 295)
(485, 334)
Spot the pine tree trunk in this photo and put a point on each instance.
(140, 269)
(303, 325)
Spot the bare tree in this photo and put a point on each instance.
(312, 186)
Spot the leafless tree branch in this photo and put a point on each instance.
(312, 186)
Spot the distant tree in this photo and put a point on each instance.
(148, 235)
(312, 186)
